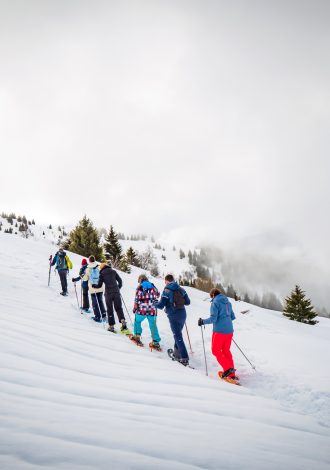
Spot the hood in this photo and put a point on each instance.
(173, 286)
(221, 299)
(104, 266)
(61, 253)
(93, 265)
(146, 285)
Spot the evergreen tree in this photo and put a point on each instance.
(132, 257)
(299, 308)
(112, 248)
(181, 254)
(84, 239)
(247, 298)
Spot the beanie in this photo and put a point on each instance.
(83, 261)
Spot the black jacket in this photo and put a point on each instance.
(111, 280)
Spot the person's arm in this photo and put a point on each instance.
(164, 300)
(186, 297)
(76, 279)
(54, 260)
(232, 314)
(214, 315)
(119, 280)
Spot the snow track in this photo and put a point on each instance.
(74, 396)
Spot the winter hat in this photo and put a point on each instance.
(83, 262)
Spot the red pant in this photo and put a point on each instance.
(221, 350)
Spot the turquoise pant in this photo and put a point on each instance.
(152, 325)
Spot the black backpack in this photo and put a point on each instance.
(178, 299)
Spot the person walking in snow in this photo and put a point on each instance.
(92, 275)
(145, 296)
(222, 316)
(62, 264)
(113, 283)
(84, 286)
(174, 299)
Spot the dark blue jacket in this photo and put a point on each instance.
(82, 271)
(222, 315)
(166, 299)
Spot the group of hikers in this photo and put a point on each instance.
(98, 278)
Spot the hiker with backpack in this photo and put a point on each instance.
(92, 275)
(222, 316)
(113, 283)
(174, 299)
(84, 286)
(145, 296)
(62, 264)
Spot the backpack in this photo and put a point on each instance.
(178, 299)
(94, 275)
(61, 262)
(69, 262)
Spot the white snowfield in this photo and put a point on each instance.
(74, 396)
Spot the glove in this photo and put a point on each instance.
(73, 279)
(94, 286)
(200, 322)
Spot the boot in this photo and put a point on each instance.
(111, 328)
(155, 345)
(123, 325)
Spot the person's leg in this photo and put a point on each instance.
(85, 298)
(118, 307)
(62, 276)
(177, 322)
(101, 304)
(111, 317)
(152, 320)
(96, 310)
(227, 354)
(221, 350)
(137, 324)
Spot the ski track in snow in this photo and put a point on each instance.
(75, 396)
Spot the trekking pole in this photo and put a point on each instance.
(188, 338)
(50, 268)
(75, 288)
(206, 371)
(253, 367)
(129, 316)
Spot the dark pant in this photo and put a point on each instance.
(85, 298)
(177, 321)
(97, 302)
(63, 278)
(114, 300)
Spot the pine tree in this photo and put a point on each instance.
(181, 254)
(132, 257)
(299, 308)
(84, 239)
(112, 248)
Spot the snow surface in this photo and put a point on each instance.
(74, 396)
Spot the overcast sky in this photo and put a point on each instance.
(202, 119)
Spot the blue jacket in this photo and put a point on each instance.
(166, 299)
(81, 275)
(222, 315)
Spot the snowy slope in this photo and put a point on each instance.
(74, 396)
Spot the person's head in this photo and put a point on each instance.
(60, 250)
(169, 278)
(142, 278)
(83, 262)
(91, 259)
(214, 292)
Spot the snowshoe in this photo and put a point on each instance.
(136, 339)
(64, 294)
(124, 330)
(154, 345)
(184, 362)
(111, 328)
(97, 320)
(228, 378)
